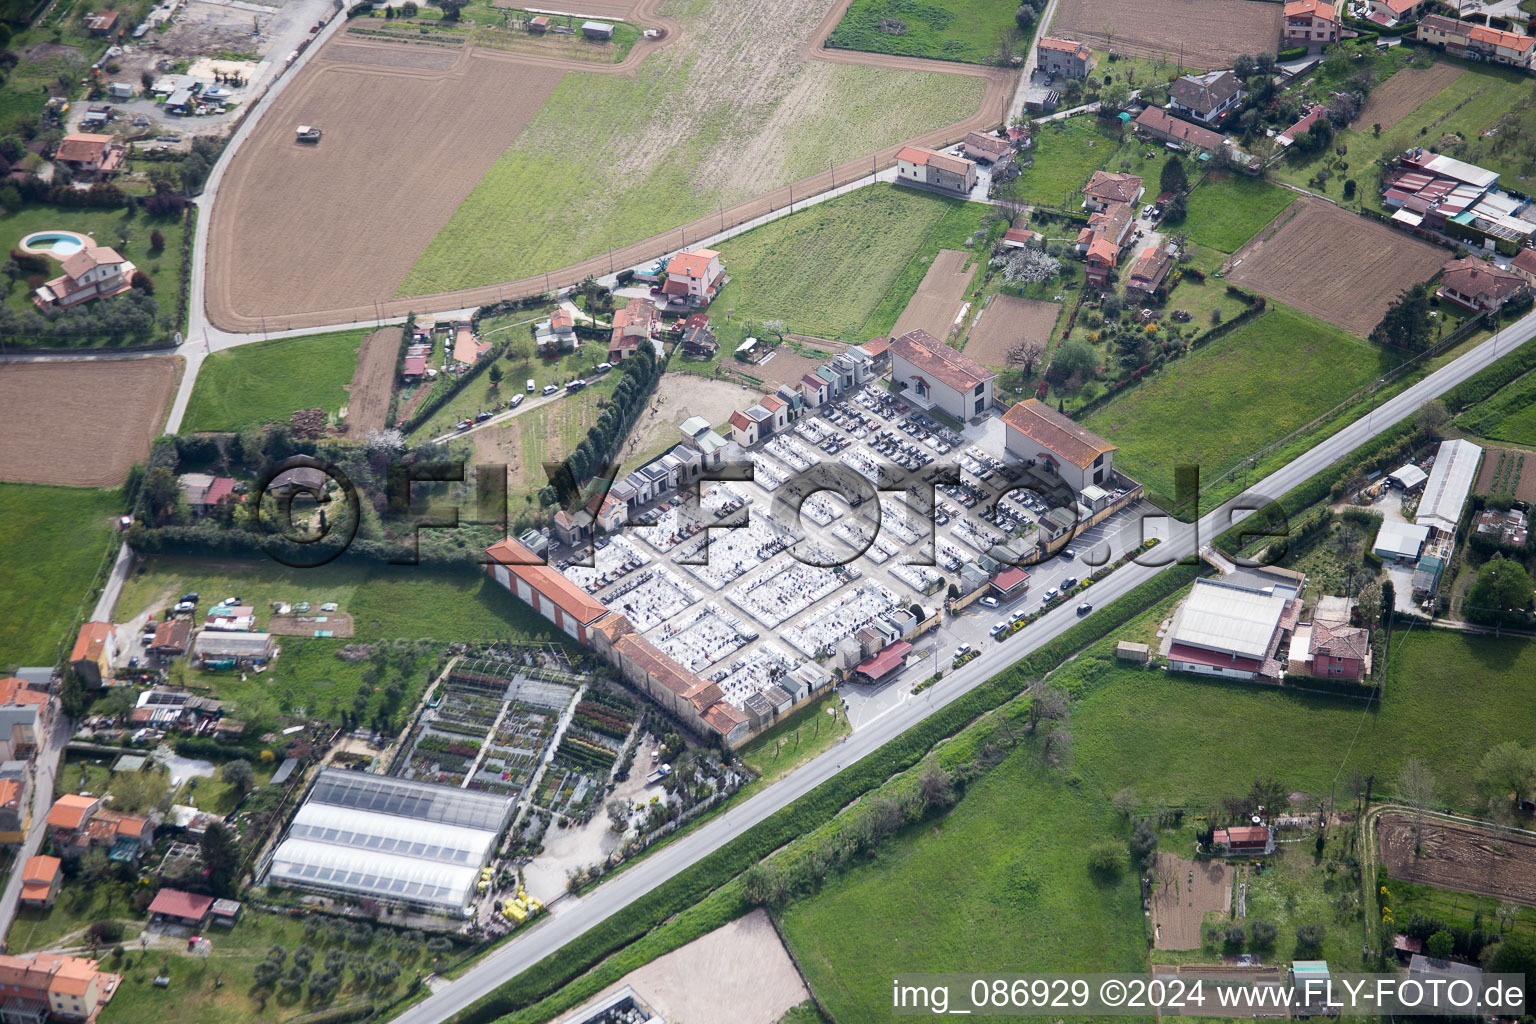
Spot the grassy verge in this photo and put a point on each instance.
(268, 381)
(797, 739)
(52, 544)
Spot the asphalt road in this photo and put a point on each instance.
(44, 769)
(579, 915)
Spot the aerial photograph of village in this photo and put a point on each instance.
(765, 511)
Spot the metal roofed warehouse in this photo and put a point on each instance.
(391, 839)
(1450, 481)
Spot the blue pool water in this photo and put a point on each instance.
(59, 243)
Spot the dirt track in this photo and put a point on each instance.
(1006, 322)
(85, 422)
(373, 382)
(1460, 856)
(279, 198)
(1203, 34)
(937, 300)
(1330, 263)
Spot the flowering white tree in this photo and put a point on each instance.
(1027, 266)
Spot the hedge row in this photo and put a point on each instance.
(812, 810)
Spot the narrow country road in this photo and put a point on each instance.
(607, 899)
(44, 770)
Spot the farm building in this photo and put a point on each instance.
(694, 276)
(938, 171)
(987, 148)
(101, 23)
(1205, 98)
(1400, 542)
(699, 342)
(1065, 57)
(94, 651)
(932, 375)
(1310, 23)
(1450, 481)
(1509, 528)
(546, 591)
(1040, 434)
(406, 843)
(1479, 285)
(1409, 479)
(231, 649)
(95, 272)
(1245, 840)
(1127, 650)
(1234, 626)
(599, 30)
(91, 155)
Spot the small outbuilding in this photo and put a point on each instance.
(1125, 650)
(599, 30)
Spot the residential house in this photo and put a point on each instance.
(938, 171)
(1246, 840)
(95, 650)
(1310, 23)
(1478, 42)
(1106, 189)
(94, 272)
(932, 375)
(1042, 436)
(1395, 12)
(987, 148)
(1331, 649)
(203, 491)
(1065, 57)
(1156, 123)
(90, 155)
(1102, 258)
(552, 337)
(1205, 98)
(171, 638)
(1524, 264)
(699, 342)
(1479, 285)
(694, 276)
(21, 731)
(173, 906)
(15, 793)
(78, 824)
(36, 987)
(1150, 272)
(40, 879)
(632, 328)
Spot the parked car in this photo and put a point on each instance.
(481, 417)
(189, 596)
(604, 367)
(1069, 583)
(1050, 595)
(962, 650)
(989, 601)
(515, 401)
(1084, 608)
(576, 385)
(465, 424)
(531, 385)
(185, 606)
(550, 389)
(1069, 554)
(998, 629)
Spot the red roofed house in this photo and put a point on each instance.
(1037, 432)
(1304, 125)
(987, 148)
(1011, 582)
(94, 272)
(1104, 190)
(94, 651)
(938, 171)
(1065, 57)
(38, 986)
(1157, 123)
(171, 638)
(1018, 238)
(90, 155)
(40, 878)
(631, 329)
(1491, 44)
(1479, 285)
(1246, 840)
(543, 589)
(1395, 11)
(14, 814)
(1150, 271)
(694, 276)
(1310, 23)
(1103, 257)
(172, 906)
(935, 376)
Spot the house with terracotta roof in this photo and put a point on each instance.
(1156, 123)
(95, 272)
(204, 491)
(698, 342)
(78, 824)
(932, 375)
(171, 638)
(15, 793)
(1524, 264)
(1310, 23)
(1150, 271)
(40, 879)
(1479, 285)
(632, 328)
(1039, 434)
(91, 155)
(1397, 11)
(1066, 57)
(1330, 647)
(38, 986)
(927, 168)
(1105, 189)
(173, 906)
(1102, 258)
(1020, 238)
(1205, 98)
(93, 653)
(542, 588)
(694, 276)
(986, 148)
(1245, 840)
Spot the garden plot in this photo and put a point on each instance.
(728, 554)
(934, 306)
(584, 760)
(792, 453)
(784, 590)
(753, 672)
(611, 563)
(1007, 321)
(1465, 857)
(819, 632)
(651, 597)
(703, 637)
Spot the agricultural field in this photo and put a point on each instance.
(1454, 908)
(1131, 727)
(86, 421)
(497, 27)
(942, 29)
(53, 542)
(1509, 415)
(1167, 29)
(1332, 263)
(935, 305)
(825, 269)
(1483, 861)
(736, 108)
(1503, 474)
(1005, 322)
(373, 382)
(1246, 389)
(1005, 870)
(127, 232)
(1225, 210)
(1402, 94)
(267, 381)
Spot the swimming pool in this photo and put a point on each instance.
(59, 244)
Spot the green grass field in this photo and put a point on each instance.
(1228, 209)
(1235, 395)
(825, 270)
(1509, 415)
(797, 739)
(1066, 153)
(268, 381)
(942, 29)
(1457, 909)
(53, 541)
(1001, 883)
(479, 395)
(1183, 741)
(678, 140)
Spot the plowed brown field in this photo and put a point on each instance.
(938, 298)
(1205, 34)
(1185, 891)
(1332, 264)
(1402, 94)
(373, 382)
(1005, 322)
(85, 421)
(1464, 857)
